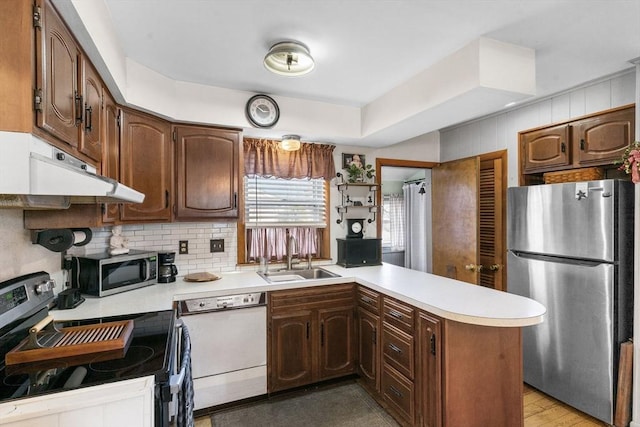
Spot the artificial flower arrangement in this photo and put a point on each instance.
(630, 161)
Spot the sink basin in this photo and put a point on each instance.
(293, 275)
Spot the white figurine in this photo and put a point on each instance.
(118, 244)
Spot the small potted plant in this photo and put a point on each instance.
(356, 173)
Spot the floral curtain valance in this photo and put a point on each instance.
(264, 157)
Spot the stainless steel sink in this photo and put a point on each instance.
(294, 275)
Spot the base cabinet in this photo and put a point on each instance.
(429, 371)
(311, 336)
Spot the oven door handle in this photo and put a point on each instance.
(176, 380)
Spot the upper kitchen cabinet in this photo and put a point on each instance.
(48, 87)
(91, 135)
(546, 149)
(110, 153)
(603, 138)
(207, 166)
(595, 140)
(57, 98)
(146, 164)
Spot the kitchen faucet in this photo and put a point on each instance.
(291, 241)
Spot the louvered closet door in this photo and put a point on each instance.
(490, 225)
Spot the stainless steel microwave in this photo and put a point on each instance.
(103, 274)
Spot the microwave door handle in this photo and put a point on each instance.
(147, 270)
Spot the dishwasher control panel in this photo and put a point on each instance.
(199, 305)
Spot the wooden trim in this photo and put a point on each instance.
(380, 162)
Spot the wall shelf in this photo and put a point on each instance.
(347, 204)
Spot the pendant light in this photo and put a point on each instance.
(290, 143)
(289, 58)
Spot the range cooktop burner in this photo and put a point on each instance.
(136, 355)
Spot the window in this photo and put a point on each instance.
(274, 206)
(393, 221)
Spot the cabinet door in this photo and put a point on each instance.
(368, 357)
(601, 140)
(337, 343)
(430, 372)
(546, 149)
(111, 153)
(207, 172)
(290, 353)
(91, 136)
(57, 58)
(146, 166)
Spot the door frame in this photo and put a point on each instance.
(499, 154)
(380, 162)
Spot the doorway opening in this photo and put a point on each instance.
(405, 220)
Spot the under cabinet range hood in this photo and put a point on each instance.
(36, 175)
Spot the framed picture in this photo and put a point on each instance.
(347, 159)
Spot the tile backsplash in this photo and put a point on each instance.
(165, 238)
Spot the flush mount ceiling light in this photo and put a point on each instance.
(289, 58)
(290, 142)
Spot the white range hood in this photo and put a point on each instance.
(34, 174)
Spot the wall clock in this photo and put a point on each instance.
(262, 111)
(355, 228)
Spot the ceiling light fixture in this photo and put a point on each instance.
(289, 58)
(290, 142)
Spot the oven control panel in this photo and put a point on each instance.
(223, 302)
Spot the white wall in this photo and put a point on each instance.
(500, 131)
(18, 255)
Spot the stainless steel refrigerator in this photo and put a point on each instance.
(570, 247)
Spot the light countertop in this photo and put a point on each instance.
(447, 298)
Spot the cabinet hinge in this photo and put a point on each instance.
(175, 135)
(37, 99)
(37, 16)
(433, 344)
(119, 116)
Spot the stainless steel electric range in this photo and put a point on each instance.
(155, 348)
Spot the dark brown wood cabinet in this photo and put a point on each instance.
(546, 149)
(291, 362)
(111, 153)
(91, 133)
(146, 165)
(603, 138)
(58, 100)
(311, 335)
(368, 321)
(207, 172)
(337, 342)
(398, 359)
(429, 371)
(594, 140)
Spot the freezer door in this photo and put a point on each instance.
(577, 220)
(571, 354)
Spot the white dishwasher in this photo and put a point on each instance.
(228, 347)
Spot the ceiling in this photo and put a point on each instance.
(365, 48)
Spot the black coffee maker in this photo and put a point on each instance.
(167, 270)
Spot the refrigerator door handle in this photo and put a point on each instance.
(559, 260)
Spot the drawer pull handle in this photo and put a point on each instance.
(366, 300)
(395, 314)
(395, 348)
(395, 391)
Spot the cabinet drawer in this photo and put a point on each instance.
(397, 348)
(369, 300)
(398, 314)
(309, 298)
(398, 393)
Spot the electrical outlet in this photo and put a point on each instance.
(184, 247)
(216, 245)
